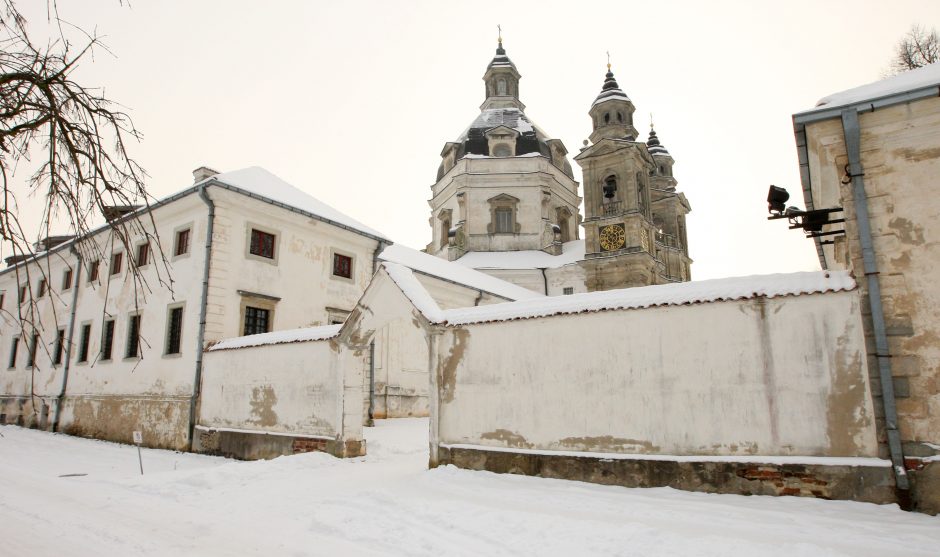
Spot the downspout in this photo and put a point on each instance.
(852, 134)
(375, 256)
(201, 333)
(544, 279)
(371, 421)
(68, 342)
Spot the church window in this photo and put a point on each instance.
(445, 230)
(607, 117)
(504, 221)
(501, 87)
(502, 150)
(620, 117)
(662, 169)
(610, 187)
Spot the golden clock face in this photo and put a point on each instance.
(612, 237)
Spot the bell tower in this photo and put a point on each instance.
(622, 199)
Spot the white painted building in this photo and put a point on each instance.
(244, 253)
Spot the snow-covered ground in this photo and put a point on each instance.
(389, 504)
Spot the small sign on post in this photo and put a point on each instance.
(138, 439)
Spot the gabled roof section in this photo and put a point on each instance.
(685, 293)
(257, 182)
(430, 265)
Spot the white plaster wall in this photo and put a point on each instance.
(782, 376)
(112, 398)
(287, 388)
(302, 275)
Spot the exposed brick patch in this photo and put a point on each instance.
(787, 480)
(302, 445)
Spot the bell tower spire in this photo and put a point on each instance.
(612, 111)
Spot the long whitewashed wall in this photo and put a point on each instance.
(777, 376)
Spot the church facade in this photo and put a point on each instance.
(506, 202)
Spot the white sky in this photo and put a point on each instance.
(353, 101)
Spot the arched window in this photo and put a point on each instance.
(610, 187)
(501, 87)
(662, 169)
(502, 150)
(607, 117)
(620, 117)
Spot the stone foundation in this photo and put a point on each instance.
(873, 484)
(245, 445)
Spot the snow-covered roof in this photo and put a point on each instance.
(258, 182)
(443, 269)
(414, 291)
(928, 76)
(279, 337)
(572, 252)
(727, 289)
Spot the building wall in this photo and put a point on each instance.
(300, 277)
(656, 382)
(111, 398)
(538, 184)
(290, 393)
(900, 152)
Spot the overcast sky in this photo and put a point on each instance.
(353, 101)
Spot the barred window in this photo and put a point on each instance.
(107, 339)
(256, 320)
(83, 343)
(568, 290)
(14, 348)
(342, 265)
(59, 347)
(262, 244)
(133, 337)
(33, 346)
(174, 330)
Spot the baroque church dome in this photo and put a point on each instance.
(503, 108)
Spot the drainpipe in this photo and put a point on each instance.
(544, 279)
(371, 421)
(852, 134)
(375, 256)
(201, 334)
(68, 342)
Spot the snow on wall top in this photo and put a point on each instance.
(735, 288)
(572, 252)
(258, 181)
(306, 334)
(441, 268)
(901, 83)
(414, 291)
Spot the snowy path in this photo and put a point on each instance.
(389, 504)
